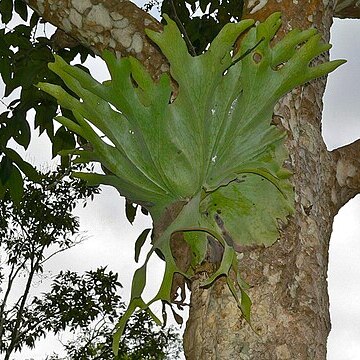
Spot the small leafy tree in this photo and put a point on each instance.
(33, 230)
(89, 306)
(25, 50)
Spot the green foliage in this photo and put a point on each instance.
(40, 221)
(141, 341)
(199, 21)
(76, 301)
(88, 305)
(212, 152)
(24, 55)
(43, 215)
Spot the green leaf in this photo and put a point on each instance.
(5, 169)
(29, 64)
(11, 179)
(6, 8)
(245, 305)
(24, 166)
(138, 283)
(34, 19)
(15, 185)
(23, 133)
(130, 211)
(198, 243)
(21, 9)
(5, 60)
(63, 140)
(260, 207)
(140, 241)
(44, 117)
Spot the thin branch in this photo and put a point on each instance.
(247, 52)
(3, 305)
(63, 249)
(12, 276)
(15, 332)
(347, 9)
(183, 30)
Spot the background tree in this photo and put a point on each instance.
(200, 21)
(24, 53)
(290, 276)
(33, 230)
(89, 306)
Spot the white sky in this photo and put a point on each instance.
(112, 238)
(341, 125)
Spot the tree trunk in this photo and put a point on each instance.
(290, 314)
(290, 301)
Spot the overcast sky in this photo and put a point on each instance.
(341, 125)
(112, 238)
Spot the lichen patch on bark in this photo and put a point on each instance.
(81, 5)
(256, 5)
(99, 16)
(75, 18)
(282, 352)
(123, 36)
(344, 171)
(136, 43)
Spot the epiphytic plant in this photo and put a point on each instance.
(210, 161)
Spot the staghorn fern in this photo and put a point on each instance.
(212, 152)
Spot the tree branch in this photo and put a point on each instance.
(182, 29)
(12, 276)
(115, 25)
(16, 330)
(76, 242)
(347, 167)
(347, 9)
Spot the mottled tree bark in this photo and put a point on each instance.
(347, 9)
(289, 287)
(115, 25)
(289, 294)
